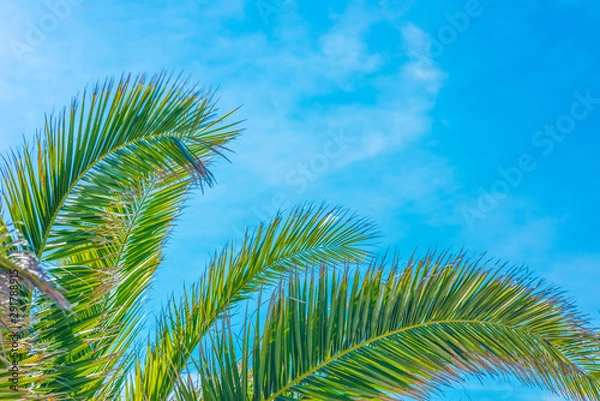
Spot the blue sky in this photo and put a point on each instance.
(451, 123)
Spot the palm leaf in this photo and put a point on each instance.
(308, 235)
(96, 197)
(391, 333)
(110, 285)
(134, 126)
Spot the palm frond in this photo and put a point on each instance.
(404, 332)
(109, 285)
(96, 197)
(135, 125)
(309, 235)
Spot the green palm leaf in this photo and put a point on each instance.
(135, 126)
(97, 197)
(307, 236)
(110, 285)
(392, 333)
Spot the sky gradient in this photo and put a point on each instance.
(450, 123)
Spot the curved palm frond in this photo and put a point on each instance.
(110, 285)
(97, 196)
(307, 236)
(404, 333)
(133, 127)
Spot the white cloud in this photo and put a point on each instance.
(344, 49)
(271, 76)
(296, 83)
(421, 66)
(347, 53)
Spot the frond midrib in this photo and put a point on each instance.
(333, 358)
(77, 181)
(276, 264)
(205, 326)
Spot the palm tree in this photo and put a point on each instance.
(88, 208)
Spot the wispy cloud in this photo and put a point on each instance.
(298, 84)
(332, 112)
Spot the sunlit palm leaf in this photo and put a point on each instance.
(307, 236)
(112, 286)
(391, 333)
(97, 196)
(141, 125)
